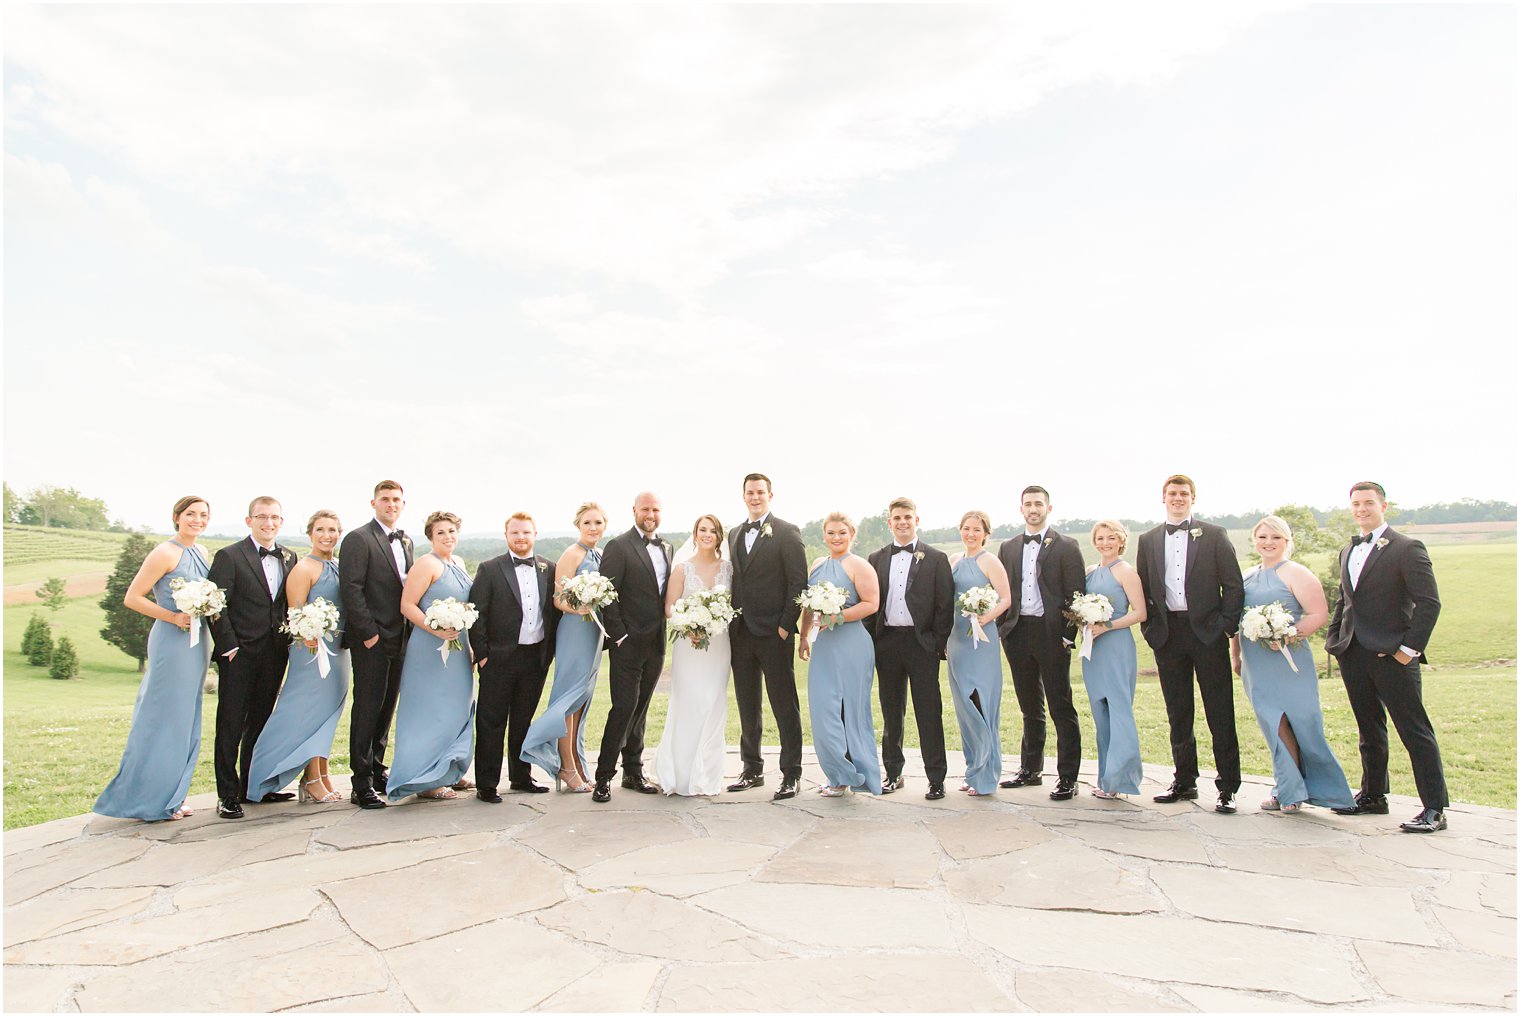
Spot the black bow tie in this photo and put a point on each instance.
(750, 527)
(902, 550)
(1028, 539)
(268, 552)
(522, 562)
(1178, 528)
(1361, 539)
(399, 534)
(653, 541)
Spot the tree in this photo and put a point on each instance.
(29, 637)
(65, 664)
(125, 628)
(65, 508)
(12, 505)
(42, 645)
(53, 594)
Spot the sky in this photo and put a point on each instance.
(521, 257)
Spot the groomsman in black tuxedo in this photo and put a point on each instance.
(1381, 624)
(249, 648)
(638, 565)
(910, 631)
(770, 572)
(1044, 573)
(375, 559)
(1194, 597)
(513, 642)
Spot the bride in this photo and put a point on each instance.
(690, 758)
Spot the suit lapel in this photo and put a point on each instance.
(251, 555)
(1192, 550)
(913, 563)
(545, 579)
(641, 551)
(1375, 555)
(383, 542)
(510, 573)
(1346, 571)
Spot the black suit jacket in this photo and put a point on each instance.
(640, 605)
(498, 597)
(929, 596)
(1216, 593)
(768, 581)
(251, 612)
(371, 585)
(1059, 574)
(1395, 602)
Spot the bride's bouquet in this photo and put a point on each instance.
(972, 604)
(450, 613)
(701, 615)
(199, 598)
(1272, 624)
(589, 589)
(315, 621)
(824, 599)
(1088, 609)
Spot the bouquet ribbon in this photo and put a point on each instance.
(977, 635)
(322, 653)
(195, 631)
(1087, 642)
(598, 621)
(1288, 656)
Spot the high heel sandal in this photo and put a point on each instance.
(305, 796)
(563, 785)
(438, 794)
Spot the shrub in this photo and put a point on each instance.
(41, 651)
(29, 637)
(65, 660)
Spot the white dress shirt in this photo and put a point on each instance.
(532, 631)
(397, 550)
(1176, 566)
(656, 558)
(898, 615)
(1361, 552)
(1030, 603)
(271, 565)
(754, 534)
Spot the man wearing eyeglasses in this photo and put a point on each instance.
(249, 649)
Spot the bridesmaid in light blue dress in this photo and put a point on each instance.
(1110, 673)
(299, 734)
(1287, 703)
(976, 668)
(165, 740)
(556, 740)
(841, 667)
(435, 709)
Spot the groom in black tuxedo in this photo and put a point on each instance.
(910, 631)
(770, 572)
(513, 642)
(374, 560)
(638, 565)
(1381, 624)
(1044, 572)
(1194, 596)
(249, 648)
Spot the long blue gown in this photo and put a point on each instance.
(305, 716)
(1276, 691)
(976, 669)
(577, 660)
(1110, 680)
(165, 741)
(435, 709)
(840, 675)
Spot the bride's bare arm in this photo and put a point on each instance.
(675, 588)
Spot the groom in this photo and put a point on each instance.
(638, 565)
(770, 572)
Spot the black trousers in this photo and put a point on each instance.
(377, 682)
(904, 665)
(1040, 664)
(1177, 662)
(246, 688)
(766, 658)
(1375, 683)
(632, 672)
(510, 688)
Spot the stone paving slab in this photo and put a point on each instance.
(737, 903)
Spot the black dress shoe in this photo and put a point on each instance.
(935, 792)
(228, 809)
(1176, 793)
(1428, 821)
(1366, 804)
(603, 792)
(1065, 790)
(893, 783)
(365, 797)
(1226, 805)
(487, 795)
(528, 788)
(747, 780)
(637, 782)
(276, 797)
(1023, 778)
(787, 789)
(379, 782)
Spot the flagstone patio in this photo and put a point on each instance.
(736, 903)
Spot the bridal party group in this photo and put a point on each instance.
(406, 632)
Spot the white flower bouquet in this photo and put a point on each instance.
(316, 621)
(199, 598)
(1088, 609)
(589, 589)
(824, 600)
(448, 613)
(1272, 624)
(972, 604)
(702, 615)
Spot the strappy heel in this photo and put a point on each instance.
(304, 796)
(563, 785)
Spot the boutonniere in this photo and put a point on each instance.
(1195, 532)
(1382, 542)
(542, 566)
(406, 541)
(765, 530)
(918, 555)
(1047, 542)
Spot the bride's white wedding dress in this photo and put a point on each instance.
(690, 758)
